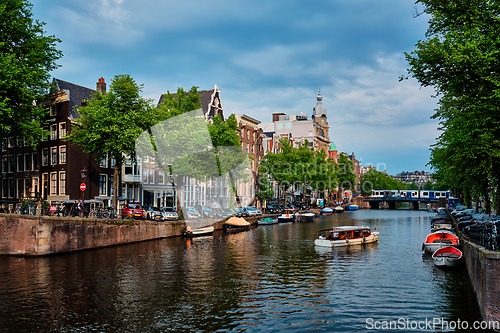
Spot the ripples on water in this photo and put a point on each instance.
(271, 278)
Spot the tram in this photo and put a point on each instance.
(410, 194)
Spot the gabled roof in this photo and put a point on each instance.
(210, 102)
(76, 94)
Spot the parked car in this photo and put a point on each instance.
(240, 212)
(273, 209)
(153, 213)
(169, 214)
(133, 210)
(220, 213)
(191, 213)
(207, 212)
(253, 211)
(230, 212)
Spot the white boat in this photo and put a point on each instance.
(346, 236)
(338, 209)
(447, 256)
(287, 216)
(204, 231)
(437, 240)
(326, 211)
(305, 217)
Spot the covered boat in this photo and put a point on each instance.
(326, 211)
(267, 221)
(236, 224)
(447, 256)
(351, 207)
(441, 224)
(440, 239)
(338, 209)
(345, 236)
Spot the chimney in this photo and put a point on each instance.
(101, 85)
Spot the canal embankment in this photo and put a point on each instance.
(46, 235)
(483, 268)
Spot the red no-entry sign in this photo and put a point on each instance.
(83, 187)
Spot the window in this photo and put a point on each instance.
(288, 125)
(4, 164)
(102, 184)
(128, 169)
(34, 161)
(62, 130)
(112, 162)
(311, 133)
(53, 110)
(279, 125)
(111, 184)
(20, 141)
(145, 176)
(11, 142)
(35, 188)
(26, 162)
(19, 166)
(104, 161)
(161, 178)
(53, 183)
(4, 144)
(62, 154)
(45, 136)
(11, 187)
(53, 155)
(45, 156)
(11, 163)
(62, 183)
(248, 134)
(5, 188)
(53, 132)
(151, 176)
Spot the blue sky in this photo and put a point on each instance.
(266, 57)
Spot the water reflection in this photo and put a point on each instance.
(270, 278)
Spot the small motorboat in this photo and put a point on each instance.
(267, 221)
(441, 224)
(234, 224)
(204, 231)
(351, 207)
(448, 256)
(326, 211)
(440, 239)
(346, 236)
(305, 217)
(338, 209)
(287, 216)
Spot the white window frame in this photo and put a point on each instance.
(62, 182)
(61, 159)
(53, 183)
(103, 193)
(53, 132)
(62, 130)
(45, 162)
(54, 151)
(161, 177)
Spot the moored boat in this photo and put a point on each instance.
(326, 211)
(351, 207)
(338, 209)
(287, 216)
(234, 224)
(346, 236)
(267, 221)
(305, 217)
(204, 231)
(440, 239)
(447, 256)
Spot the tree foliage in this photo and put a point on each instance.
(461, 59)
(110, 122)
(377, 180)
(27, 56)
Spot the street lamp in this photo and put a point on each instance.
(83, 186)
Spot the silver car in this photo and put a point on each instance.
(169, 214)
(253, 211)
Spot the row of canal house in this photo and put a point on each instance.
(52, 171)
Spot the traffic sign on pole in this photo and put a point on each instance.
(83, 187)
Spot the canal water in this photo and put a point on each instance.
(271, 278)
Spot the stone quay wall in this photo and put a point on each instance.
(45, 235)
(483, 268)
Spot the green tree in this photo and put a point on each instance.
(345, 174)
(110, 123)
(428, 186)
(460, 59)
(27, 56)
(377, 180)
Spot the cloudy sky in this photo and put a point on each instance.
(265, 56)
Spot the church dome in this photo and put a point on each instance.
(319, 109)
(333, 146)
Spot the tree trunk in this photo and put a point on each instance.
(115, 188)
